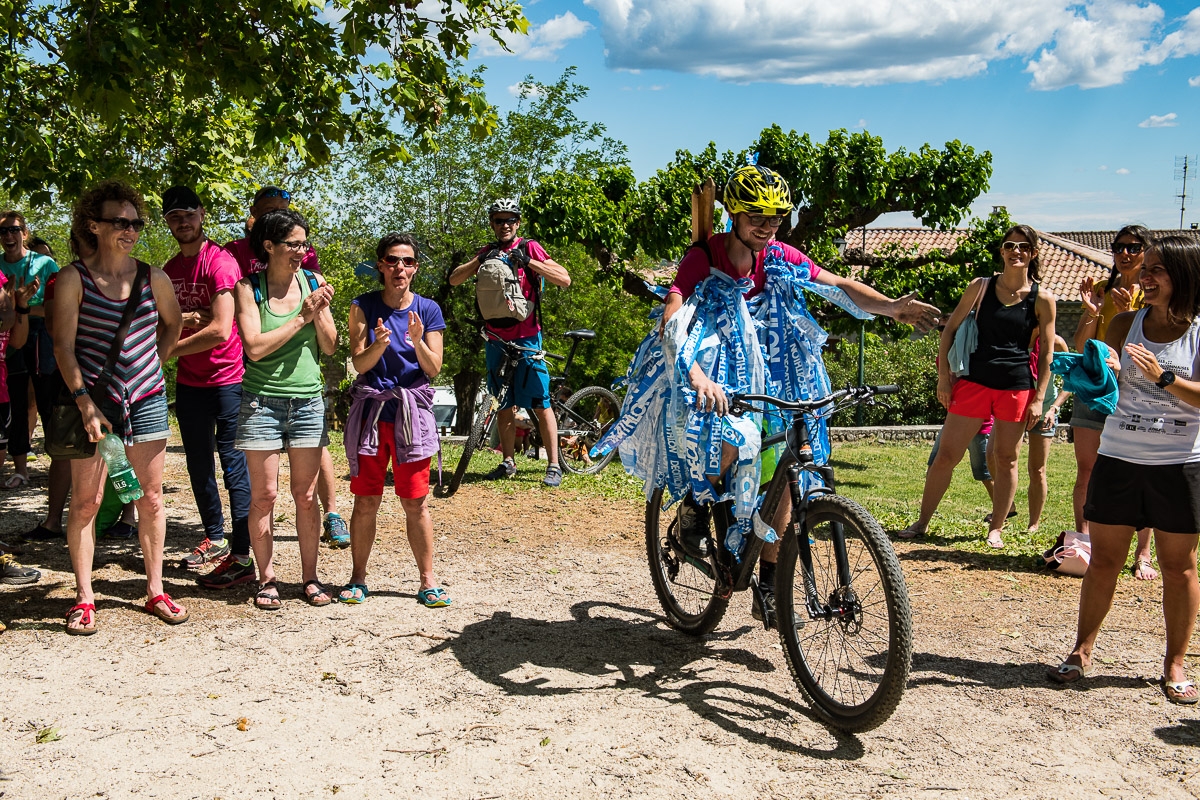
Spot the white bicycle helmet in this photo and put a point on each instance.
(505, 205)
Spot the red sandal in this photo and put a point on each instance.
(87, 619)
(173, 615)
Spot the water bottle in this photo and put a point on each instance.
(120, 473)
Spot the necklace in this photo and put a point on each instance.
(1011, 293)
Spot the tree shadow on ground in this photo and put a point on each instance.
(992, 562)
(1187, 732)
(630, 649)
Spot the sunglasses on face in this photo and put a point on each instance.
(1017, 247)
(282, 194)
(8, 230)
(1133, 248)
(297, 247)
(758, 221)
(122, 224)
(499, 221)
(392, 261)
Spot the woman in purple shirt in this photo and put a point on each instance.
(396, 344)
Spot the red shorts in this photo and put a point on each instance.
(412, 479)
(969, 399)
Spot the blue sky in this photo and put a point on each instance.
(1084, 106)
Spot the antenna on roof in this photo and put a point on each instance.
(1182, 165)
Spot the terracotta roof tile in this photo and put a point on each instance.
(1102, 239)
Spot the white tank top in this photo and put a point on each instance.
(1150, 425)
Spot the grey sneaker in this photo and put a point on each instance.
(14, 574)
(506, 469)
(553, 475)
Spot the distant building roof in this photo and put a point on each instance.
(1101, 240)
(1064, 261)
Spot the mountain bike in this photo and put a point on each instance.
(583, 416)
(841, 605)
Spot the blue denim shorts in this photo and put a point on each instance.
(530, 378)
(281, 423)
(147, 417)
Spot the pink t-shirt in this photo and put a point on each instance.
(3, 352)
(197, 280)
(530, 326)
(694, 266)
(241, 250)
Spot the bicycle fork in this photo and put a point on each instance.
(842, 604)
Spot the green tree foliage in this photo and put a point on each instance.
(908, 363)
(441, 195)
(196, 91)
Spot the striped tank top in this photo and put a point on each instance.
(138, 372)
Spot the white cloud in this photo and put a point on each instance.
(1103, 167)
(1194, 81)
(543, 42)
(1156, 121)
(862, 123)
(866, 42)
(522, 89)
(1122, 171)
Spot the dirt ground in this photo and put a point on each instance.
(553, 674)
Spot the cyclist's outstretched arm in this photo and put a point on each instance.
(552, 271)
(464, 271)
(907, 309)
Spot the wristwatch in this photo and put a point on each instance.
(21, 309)
(78, 393)
(1166, 380)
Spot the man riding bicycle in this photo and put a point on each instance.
(746, 329)
(531, 382)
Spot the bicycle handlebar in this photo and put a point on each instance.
(858, 394)
(533, 351)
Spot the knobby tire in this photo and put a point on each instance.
(689, 598)
(596, 409)
(479, 426)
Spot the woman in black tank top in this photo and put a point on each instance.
(1009, 308)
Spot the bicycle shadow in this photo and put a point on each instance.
(627, 648)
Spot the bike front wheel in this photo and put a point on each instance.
(686, 588)
(849, 646)
(484, 413)
(582, 420)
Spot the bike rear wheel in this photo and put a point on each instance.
(582, 420)
(484, 414)
(687, 592)
(851, 667)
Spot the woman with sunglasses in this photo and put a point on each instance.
(90, 297)
(1000, 381)
(396, 344)
(1147, 474)
(1102, 301)
(285, 323)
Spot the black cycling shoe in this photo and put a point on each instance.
(693, 528)
(763, 606)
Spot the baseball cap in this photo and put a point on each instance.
(179, 198)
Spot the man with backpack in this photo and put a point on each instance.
(510, 275)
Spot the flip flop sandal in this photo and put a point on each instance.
(995, 541)
(353, 593)
(163, 607)
(267, 598)
(1140, 567)
(86, 619)
(313, 598)
(1064, 671)
(1176, 692)
(16, 481)
(433, 598)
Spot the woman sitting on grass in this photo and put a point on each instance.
(1147, 473)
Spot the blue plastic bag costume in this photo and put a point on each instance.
(767, 345)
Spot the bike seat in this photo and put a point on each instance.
(582, 333)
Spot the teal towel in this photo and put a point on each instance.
(1088, 376)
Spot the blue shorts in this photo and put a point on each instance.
(530, 379)
(147, 417)
(280, 423)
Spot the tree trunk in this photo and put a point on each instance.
(466, 388)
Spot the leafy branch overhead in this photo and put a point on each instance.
(190, 91)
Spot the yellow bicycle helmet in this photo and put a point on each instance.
(757, 190)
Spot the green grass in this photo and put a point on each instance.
(613, 483)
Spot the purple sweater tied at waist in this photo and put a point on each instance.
(416, 427)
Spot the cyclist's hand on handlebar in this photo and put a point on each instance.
(710, 396)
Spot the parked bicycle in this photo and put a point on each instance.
(838, 584)
(583, 417)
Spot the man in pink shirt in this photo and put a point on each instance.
(531, 381)
(270, 198)
(208, 389)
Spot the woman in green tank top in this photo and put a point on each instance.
(285, 322)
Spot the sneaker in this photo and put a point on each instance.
(506, 469)
(335, 531)
(205, 553)
(120, 530)
(42, 534)
(230, 572)
(693, 527)
(763, 606)
(14, 574)
(553, 475)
